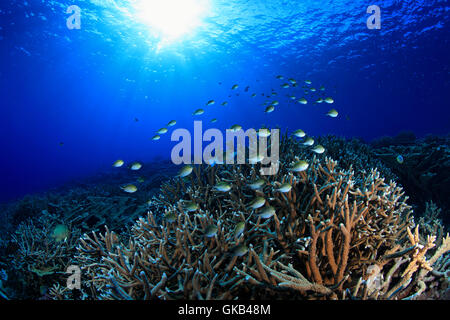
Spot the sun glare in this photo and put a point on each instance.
(171, 19)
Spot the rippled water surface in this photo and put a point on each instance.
(103, 90)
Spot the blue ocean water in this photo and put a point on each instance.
(75, 100)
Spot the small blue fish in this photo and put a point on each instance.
(400, 159)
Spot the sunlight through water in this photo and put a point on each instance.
(171, 20)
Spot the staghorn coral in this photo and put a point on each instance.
(33, 259)
(341, 232)
(332, 234)
(93, 202)
(403, 138)
(3, 277)
(38, 256)
(28, 207)
(425, 172)
(434, 284)
(354, 153)
(378, 282)
(431, 222)
(93, 212)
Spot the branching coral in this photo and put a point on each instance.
(94, 202)
(327, 233)
(39, 255)
(431, 222)
(355, 153)
(425, 170)
(378, 283)
(339, 231)
(93, 212)
(3, 277)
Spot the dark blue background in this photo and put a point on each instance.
(59, 85)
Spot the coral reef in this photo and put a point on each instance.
(424, 171)
(355, 153)
(338, 233)
(435, 284)
(342, 230)
(403, 138)
(31, 254)
(39, 252)
(3, 277)
(93, 202)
